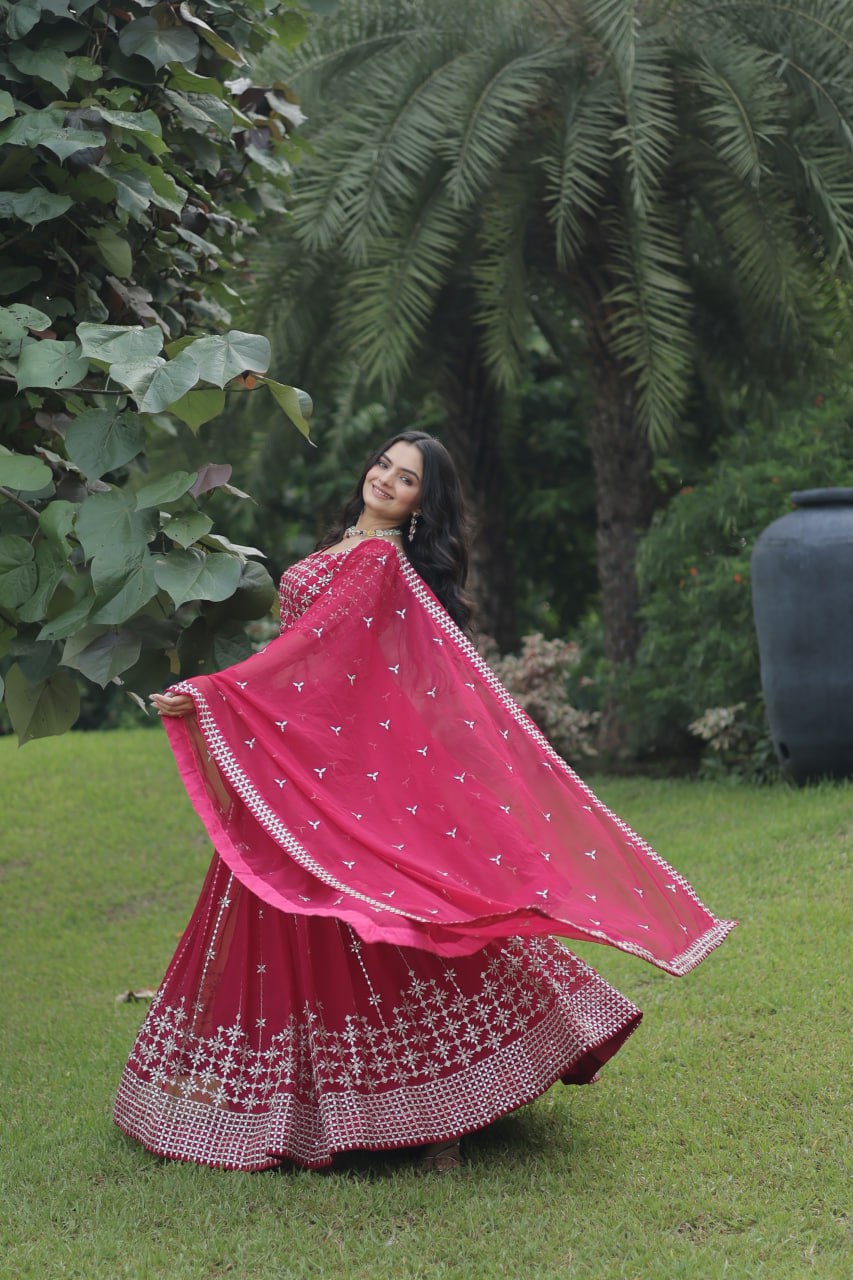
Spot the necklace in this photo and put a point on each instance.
(353, 532)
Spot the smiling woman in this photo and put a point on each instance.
(370, 962)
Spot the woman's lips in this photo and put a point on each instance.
(380, 493)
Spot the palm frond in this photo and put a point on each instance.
(635, 55)
(650, 309)
(809, 41)
(760, 239)
(740, 104)
(500, 276)
(398, 141)
(577, 163)
(388, 304)
(828, 178)
(503, 88)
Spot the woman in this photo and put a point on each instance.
(370, 962)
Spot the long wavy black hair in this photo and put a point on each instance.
(439, 550)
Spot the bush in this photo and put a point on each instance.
(136, 161)
(538, 678)
(697, 677)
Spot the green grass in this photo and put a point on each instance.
(711, 1148)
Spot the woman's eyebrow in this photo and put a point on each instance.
(385, 458)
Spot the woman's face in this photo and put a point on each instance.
(392, 486)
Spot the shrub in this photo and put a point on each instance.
(136, 159)
(697, 671)
(538, 677)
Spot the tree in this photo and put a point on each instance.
(136, 155)
(674, 177)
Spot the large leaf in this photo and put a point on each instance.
(99, 440)
(14, 279)
(43, 709)
(194, 575)
(20, 471)
(133, 191)
(190, 82)
(211, 476)
(120, 343)
(46, 63)
(33, 206)
(51, 564)
(167, 489)
(145, 38)
(22, 17)
(18, 571)
(139, 184)
(219, 359)
(146, 124)
(188, 528)
(110, 529)
(100, 655)
(156, 384)
(120, 592)
(114, 252)
(47, 128)
(51, 364)
(297, 404)
(16, 321)
(212, 37)
(56, 522)
(198, 407)
(68, 621)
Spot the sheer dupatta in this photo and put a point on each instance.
(368, 765)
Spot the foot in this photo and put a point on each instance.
(441, 1157)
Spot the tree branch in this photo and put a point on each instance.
(19, 502)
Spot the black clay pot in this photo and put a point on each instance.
(802, 597)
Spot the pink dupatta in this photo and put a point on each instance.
(368, 765)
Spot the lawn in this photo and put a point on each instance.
(713, 1146)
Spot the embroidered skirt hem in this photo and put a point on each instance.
(311, 1133)
(278, 1037)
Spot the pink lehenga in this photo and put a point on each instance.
(370, 963)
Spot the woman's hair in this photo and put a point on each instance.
(438, 551)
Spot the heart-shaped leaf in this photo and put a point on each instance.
(18, 572)
(120, 343)
(20, 471)
(51, 364)
(156, 384)
(188, 528)
(99, 440)
(165, 490)
(195, 575)
(101, 654)
(145, 38)
(219, 359)
(37, 711)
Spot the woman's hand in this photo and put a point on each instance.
(173, 704)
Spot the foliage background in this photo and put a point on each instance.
(137, 154)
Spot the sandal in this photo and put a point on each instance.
(441, 1157)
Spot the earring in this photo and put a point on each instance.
(413, 524)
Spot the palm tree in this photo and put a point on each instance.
(652, 172)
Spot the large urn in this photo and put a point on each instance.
(802, 597)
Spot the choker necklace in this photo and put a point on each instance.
(353, 532)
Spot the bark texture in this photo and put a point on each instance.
(625, 502)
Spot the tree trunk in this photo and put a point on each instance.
(472, 421)
(625, 501)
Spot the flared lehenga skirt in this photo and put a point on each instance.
(277, 1037)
